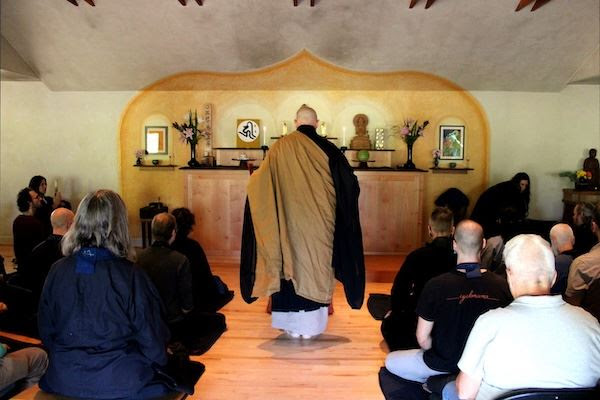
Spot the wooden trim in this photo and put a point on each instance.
(538, 4)
(429, 3)
(523, 3)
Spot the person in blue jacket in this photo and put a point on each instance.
(99, 315)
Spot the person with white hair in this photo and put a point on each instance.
(538, 341)
(302, 230)
(562, 240)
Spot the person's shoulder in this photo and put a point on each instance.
(589, 258)
(443, 281)
(581, 316)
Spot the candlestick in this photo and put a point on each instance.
(344, 136)
(55, 186)
(264, 142)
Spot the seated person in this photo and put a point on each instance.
(210, 293)
(168, 269)
(36, 268)
(585, 270)
(448, 307)
(47, 204)
(436, 257)
(28, 231)
(100, 316)
(508, 227)
(585, 239)
(514, 193)
(562, 239)
(20, 369)
(170, 273)
(538, 341)
(456, 201)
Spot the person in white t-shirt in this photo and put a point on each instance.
(538, 341)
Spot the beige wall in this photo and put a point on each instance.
(542, 134)
(69, 136)
(73, 137)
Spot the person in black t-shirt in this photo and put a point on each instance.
(448, 307)
(433, 259)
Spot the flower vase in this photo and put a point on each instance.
(582, 185)
(193, 163)
(138, 161)
(409, 164)
(436, 162)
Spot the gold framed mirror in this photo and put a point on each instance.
(157, 139)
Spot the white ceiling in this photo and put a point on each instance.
(479, 44)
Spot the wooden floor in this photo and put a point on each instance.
(254, 361)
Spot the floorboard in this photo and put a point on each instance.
(254, 361)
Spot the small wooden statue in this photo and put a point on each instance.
(591, 165)
(361, 140)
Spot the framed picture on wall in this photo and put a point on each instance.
(248, 133)
(452, 142)
(157, 139)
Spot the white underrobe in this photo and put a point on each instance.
(308, 323)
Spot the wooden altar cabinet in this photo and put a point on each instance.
(391, 209)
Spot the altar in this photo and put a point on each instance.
(390, 204)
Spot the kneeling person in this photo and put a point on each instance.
(170, 272)
(537, 341)
(448, 307)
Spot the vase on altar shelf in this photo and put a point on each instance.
(193, 163)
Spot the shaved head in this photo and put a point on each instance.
(561, 236)
(469, 238)
(306, 116)
(61, 220)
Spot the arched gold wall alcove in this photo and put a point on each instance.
(281, 89)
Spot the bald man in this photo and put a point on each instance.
(447, 309)
(47, 252)
(302, 230)
(563, 240)
(538, 341)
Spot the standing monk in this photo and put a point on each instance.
(302, 230)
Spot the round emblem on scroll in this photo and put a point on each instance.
(248, 130)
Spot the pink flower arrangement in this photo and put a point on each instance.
(436, 154)
(191, 130)
(140, 153)
(411, 130)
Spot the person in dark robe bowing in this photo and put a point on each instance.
(514, 193)
(302, 230)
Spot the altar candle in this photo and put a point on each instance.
(55, 186)
(264, 135)
(343, 136)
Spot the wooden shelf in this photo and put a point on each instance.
(155, 166)
(447, 170)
